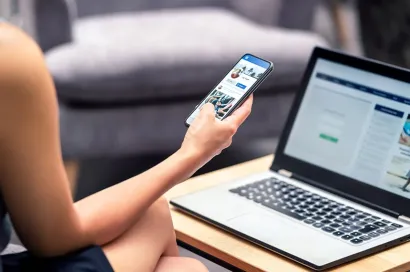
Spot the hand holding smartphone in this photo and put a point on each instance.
(243, 79)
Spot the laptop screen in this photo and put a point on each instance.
(357, 124)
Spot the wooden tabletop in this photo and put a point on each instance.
(248, 256)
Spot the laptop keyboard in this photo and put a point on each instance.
(341, 221)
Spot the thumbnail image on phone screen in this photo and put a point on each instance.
(235, 87)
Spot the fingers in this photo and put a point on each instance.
(207, 111)
(239, 115)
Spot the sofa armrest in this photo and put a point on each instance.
(52, 20)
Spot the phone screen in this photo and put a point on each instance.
(244, 75)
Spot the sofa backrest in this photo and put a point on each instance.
(94, 7)
(286, 13)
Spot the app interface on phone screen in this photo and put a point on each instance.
(235, 84)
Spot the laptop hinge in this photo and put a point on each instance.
(404, 219)
(285, 173)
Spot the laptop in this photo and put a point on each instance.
(336, 190)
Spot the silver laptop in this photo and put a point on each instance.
(338, 187)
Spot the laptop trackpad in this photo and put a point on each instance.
(274, 230)
(260, 224)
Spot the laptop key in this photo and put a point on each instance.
(369, 220)
(309, 221)
(355, 234)
(379, 224)
(356, 241)
(334, 205)
(337, 220)
(381, 231)
(365, 237)
(373, 234)
(368, 228)
(375, 217)
(346, 230)
(321, 213)
(308, 214)
(347, 237)
(328, 229)
(354, 227)
(345, 216)
(396, 225)
(326, 222)
(334, 225)
(390, 228)
(316, 197)
(284, 211)
(386, 221)
(318, 225)
(243, 192)
(317, 218)
(337, 233)
(330, 216)
(234, 190)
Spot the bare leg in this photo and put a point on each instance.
(72, 168)
(150, 243)
(179, 264)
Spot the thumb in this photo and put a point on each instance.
(207, 111)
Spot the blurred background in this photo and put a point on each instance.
(128, 72)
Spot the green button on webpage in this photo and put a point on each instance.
(329, 138)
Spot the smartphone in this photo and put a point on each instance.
(241, 81)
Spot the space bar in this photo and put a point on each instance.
(284, 211)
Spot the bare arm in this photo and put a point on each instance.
(32, 178)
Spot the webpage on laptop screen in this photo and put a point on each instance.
(357, 124)
(234, 85)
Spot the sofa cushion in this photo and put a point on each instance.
(169, 54)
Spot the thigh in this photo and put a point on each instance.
(141, 247)
(179, 264)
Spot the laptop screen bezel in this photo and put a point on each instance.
(327, 178)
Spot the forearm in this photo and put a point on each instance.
(107, 214)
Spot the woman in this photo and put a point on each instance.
(124, 228)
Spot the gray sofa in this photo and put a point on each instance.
(129, 72)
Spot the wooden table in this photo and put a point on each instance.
(247, 256)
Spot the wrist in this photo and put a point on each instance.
(192, 158)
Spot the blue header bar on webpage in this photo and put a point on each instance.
(389, 111)
(364, 88)
(260, 62)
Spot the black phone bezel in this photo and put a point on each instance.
(246, 94)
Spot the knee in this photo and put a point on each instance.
(161, 207)
(160, 211)
(193, 265)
